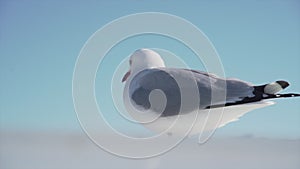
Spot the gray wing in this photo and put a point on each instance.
(147, 80)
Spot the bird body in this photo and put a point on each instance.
(233, 96)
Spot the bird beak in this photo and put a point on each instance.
(126, 76)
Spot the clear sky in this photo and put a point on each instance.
(257, 41)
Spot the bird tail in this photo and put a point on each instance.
(262, 92)
(270, 90)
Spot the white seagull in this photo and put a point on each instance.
(148, 73)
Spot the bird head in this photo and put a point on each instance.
(143, 59)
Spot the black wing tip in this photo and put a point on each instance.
(283, 84)
(251, 100)
(293, 95)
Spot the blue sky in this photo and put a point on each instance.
(257, 41)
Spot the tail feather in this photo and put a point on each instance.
(269, 91)
(262, 92)
(272, 88)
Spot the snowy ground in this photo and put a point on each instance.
(21, 150)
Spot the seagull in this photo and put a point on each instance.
(148, 73)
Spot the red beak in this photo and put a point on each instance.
(126, 76)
